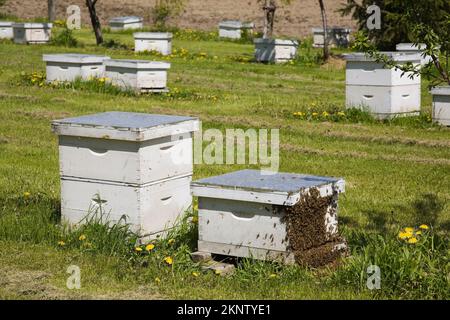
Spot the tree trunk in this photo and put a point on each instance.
(326, 52)
(95, 21)
(51, 10)
(269, 17)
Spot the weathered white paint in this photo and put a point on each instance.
(385, 92)
(126, 23)
(249, 221)
(441, 105)
(32, 33)
(232, 29)
(6, 30)
(150, 209)
(70, 66)
(275, 50)
(338, 37)
(140, 75)
(153, 41)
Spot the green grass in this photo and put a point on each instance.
(397, 175)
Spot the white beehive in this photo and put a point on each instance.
(243, 213)
(275, 50)
(338, 37)
(32, 33)
(126, 23)
(153, 41)
(139, 75)
(71, 66)
(441, 105)
(232, 29)
(383, 91)
(6, 30)
(133, 164)
(412, 48)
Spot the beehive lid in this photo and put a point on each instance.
(137, 64)
(125, 126)
(395, 56)
(33, 25)
(127, 19)
(441, 91)
(153, 35)
(254, 186)
(6, 23)
(410, 47)
(331, 29)
(74, 58)
(276, 42)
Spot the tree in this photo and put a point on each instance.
(422, 29)
(326, 52)
(395, 23)
(51, 10)
(165, 9)
(270, 7)
(95, 21)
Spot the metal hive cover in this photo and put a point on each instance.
(394, 55)
(74, 58)
(124, 120)
(127, 19)
(253, 180)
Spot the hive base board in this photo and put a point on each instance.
(246, 252)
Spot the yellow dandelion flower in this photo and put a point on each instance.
(26, 194)
(61, 243)
(168, 260)
(171, 241)
(424, 227)
(418, 233)
(314, 114)
(157, 280)
(273, 275)
(195, 274)
(409, 230)
(218, 272)
(138, 249)
(82, 237)
(413, 240)
(149, 247)
(404, 235)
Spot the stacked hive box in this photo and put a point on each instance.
(338, 37)
(153, 41)
(232, 29)
(441, 105)
(126, 23)
(138, 75)
(6, 30)
(412, 48)
(244, 213)
(71, 66)
(275, 50)
(32, 33)
(119, 163)
(386, 92)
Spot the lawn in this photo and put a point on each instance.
(397, 175)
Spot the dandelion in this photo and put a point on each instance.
(168, 260)
(218, 272)
(413, 240)
(340, 113)
(273, 275)
(157, 280)
(404, 235)
(138, 249)
(315, 114)
(418, 232)
(171, 241)
(61, 243)
(195, 274)
(325, 114)
(149, 247)
(424, 227)
(409, 230)
(26, 194)
(82, 237)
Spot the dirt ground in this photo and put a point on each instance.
(296, 19)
